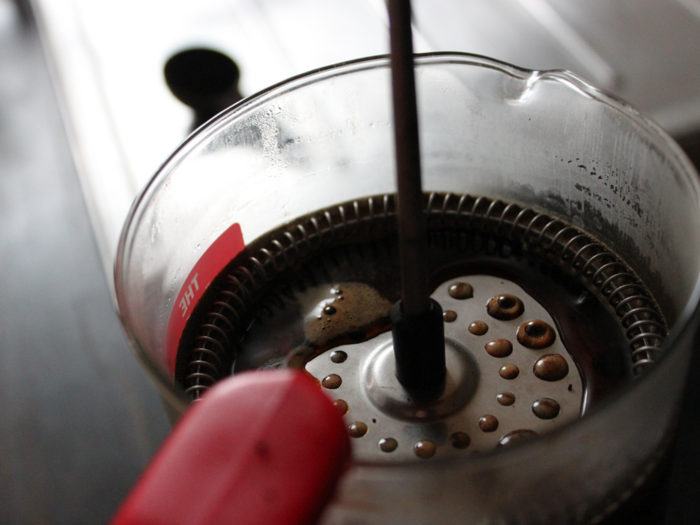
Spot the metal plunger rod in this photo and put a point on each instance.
(412, 243)
(417, 326)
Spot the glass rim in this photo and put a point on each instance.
(174, 394)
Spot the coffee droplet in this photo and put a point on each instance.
(488, 423)
(546, 408)
(329, 310)
(362, 311)
(551, 367)
(478, 328)
(509, 371)
(342, 406)
(357, 429)
(461, 291)
(506, 398)
(516, 436)
(505, 307)
(388, 444)
(449, 316)
(536, 334)
(460, 440)
(499, 348)
(425, 449)
(332, 381)
(338, 356)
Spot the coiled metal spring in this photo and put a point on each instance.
(216, 338)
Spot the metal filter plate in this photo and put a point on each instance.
(485, 403)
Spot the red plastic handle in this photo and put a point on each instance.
(261, 447)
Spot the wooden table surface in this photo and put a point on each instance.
(78, 417)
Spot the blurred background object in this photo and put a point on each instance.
(85, 123)
(108, 59)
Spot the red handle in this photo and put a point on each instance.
(261, 447)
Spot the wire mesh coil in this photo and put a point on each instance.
(214, 345)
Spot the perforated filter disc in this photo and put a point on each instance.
(509, 377)
(279, 304)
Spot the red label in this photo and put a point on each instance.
(217, 256)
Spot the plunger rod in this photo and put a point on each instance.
(417, 325)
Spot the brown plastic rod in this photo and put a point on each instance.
(411, 222)
(417, 325)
